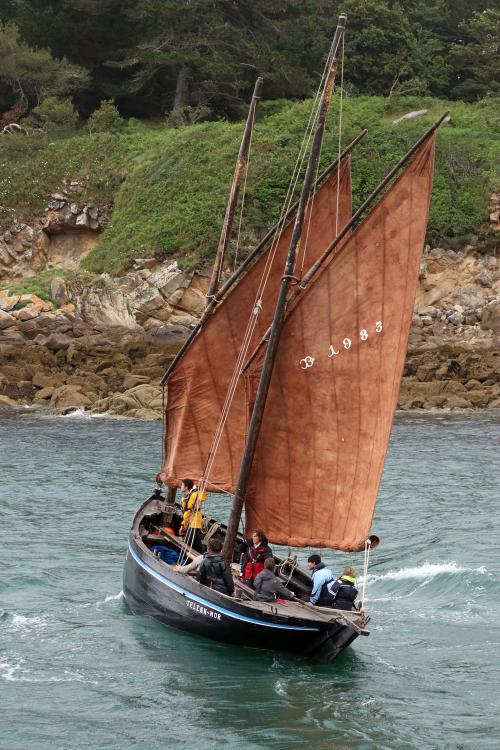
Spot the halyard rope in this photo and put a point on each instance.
(368, 545)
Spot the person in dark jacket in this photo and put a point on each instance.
(268, 586)
(213, 569)
(255, 552)
(344, 589)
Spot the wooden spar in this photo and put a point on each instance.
(272, 348)
(239, 173)
(252, 256)
(350, 224)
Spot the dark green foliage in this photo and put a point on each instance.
(477, 64)
(54, 114)
(156, 56)
(27, 76)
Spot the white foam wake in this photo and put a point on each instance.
(421, 572)
(8, 670)
(112, 597)
(20, 622)
(17, 673)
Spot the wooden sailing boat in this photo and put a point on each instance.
(284, 397)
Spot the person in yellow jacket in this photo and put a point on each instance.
(191, 501)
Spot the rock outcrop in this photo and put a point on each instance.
(62, 237)
(120, 376)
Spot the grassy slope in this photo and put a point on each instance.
(170, 186)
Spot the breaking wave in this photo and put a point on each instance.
(426, 571)
(80, 413)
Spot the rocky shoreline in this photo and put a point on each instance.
(92, 372)
(103, 343)
(124, 379)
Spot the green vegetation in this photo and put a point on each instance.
(28, 76)
(39, 285)
(170, 185)
(55, 114)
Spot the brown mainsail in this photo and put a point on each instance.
(334, 387)
(198, 385)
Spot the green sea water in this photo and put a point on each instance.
(78, 671)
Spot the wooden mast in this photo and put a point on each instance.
(272, 348)
(239, 173)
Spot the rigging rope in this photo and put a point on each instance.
(368, 545)
(340, 135)
(243, 195)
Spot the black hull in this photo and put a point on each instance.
(153, 588)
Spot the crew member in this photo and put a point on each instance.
(214, 571)
(321, 577)
(268, 586)
(255, 551)
(191, 501)
(344, 589)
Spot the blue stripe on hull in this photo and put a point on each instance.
(210, 604)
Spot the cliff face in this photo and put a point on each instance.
(52, 350)
(453, 356)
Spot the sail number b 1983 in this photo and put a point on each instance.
(333, 351)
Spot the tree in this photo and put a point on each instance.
(29, 75)
(379, 41)
(476, 64)
(209, 52)
(156, 56)
(89, 33)
(439, 26)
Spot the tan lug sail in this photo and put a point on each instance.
(335, 384)
(197, 387)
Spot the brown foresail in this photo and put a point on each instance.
(334, 388)
(197, 388)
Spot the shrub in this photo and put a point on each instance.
(105, 119)
(55, 114)
(188, 115)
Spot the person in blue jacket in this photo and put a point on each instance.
(321, 577)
